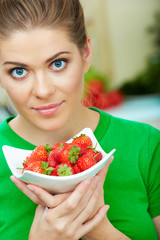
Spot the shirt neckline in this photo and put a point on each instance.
(14, 137)
(99, 132)
(103, 125)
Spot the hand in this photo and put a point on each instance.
(102, 175)
(82, 215)
(40, 196)
(69, 219)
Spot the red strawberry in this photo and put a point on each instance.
(69, 154)
(52, 160)
(35, 167)
(39, 167)
(41, 152)
(76, 168)
(96, 155)
(54, 156)
(63, 169)
(85, 162)
(83, 141)
(28, 161)
(58, 146)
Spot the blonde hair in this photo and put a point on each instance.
(28, 14)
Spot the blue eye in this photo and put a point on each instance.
(19, 72)
(59, 64)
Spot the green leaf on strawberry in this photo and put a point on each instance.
(48, 148)
(82, 134)
(64, 170)
(46, 170)
(60, 145)
(74, 154)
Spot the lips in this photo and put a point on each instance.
(47, 107)
(48, 110)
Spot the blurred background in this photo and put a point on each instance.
(124, 78)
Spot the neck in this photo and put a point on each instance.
(79, 120)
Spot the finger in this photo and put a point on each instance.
(95, 184)
(73, 200)
(47, 198)
(78, 200)
(23, 187)
(44, 214)
(39, 216)
(92, 223)
(89, 209)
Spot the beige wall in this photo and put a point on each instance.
(3, 98)
(118, 32)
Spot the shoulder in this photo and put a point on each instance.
(4, 123)
(123, 128)
(130, 128)
(135, 141)
(7, 136)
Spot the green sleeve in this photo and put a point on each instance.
(153, 183)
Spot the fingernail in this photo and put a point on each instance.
(13, 179)
(107, 207)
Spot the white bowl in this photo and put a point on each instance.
(53, 184)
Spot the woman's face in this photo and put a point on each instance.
(42, 72)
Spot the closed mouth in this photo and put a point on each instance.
(48, 110)
(47, 107)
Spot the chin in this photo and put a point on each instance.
(50, 125)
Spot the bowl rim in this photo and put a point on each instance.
(59, 178)
(27, 173)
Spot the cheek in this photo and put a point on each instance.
(6, 83)
(15, 93)
(16, 98)
(74, 82)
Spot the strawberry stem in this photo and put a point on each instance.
(48, 148)
(93, 148)
(82, 134)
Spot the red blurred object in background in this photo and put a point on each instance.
(96, 86)
(97, 96)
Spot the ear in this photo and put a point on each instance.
(87, 54)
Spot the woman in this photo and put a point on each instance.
(44, 54)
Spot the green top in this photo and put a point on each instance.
(132, 186)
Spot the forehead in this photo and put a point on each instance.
(34, 42)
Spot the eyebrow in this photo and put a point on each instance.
(55, 56)
(47, 61)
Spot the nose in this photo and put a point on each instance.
(43, 86)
